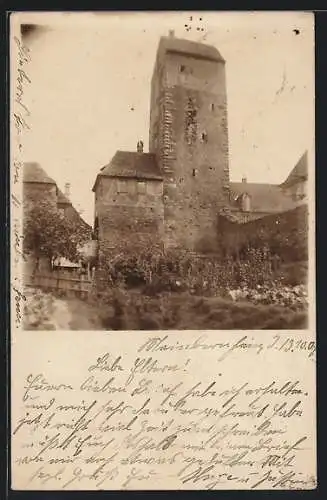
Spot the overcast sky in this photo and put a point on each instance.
(90, 90)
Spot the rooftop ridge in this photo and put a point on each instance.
(188, 47)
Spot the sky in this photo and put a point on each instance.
(90, 89)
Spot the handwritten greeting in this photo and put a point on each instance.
(173, 411)
(20, 59)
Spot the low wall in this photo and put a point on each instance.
(54, 282)
(285, 234)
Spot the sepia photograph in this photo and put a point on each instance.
(167, 172)
(162, 251)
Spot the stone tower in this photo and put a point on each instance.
(189, 136)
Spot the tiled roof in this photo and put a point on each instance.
(132, 165)
(299, 172)
(33, 172)
(264, 197)
(187, 47)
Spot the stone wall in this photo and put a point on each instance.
(127, 219)
(285, 234)
(188, 133)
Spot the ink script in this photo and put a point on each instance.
(133, 411)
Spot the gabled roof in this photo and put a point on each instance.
(130, 164)
(33, 172)
(61, 198)
(264, 197)
(189, 48)
(299, 172)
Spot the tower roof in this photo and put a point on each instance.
(299, 172)
(170, 44)
(33, 172)
(130, 164)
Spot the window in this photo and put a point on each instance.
(204, 137)
(141, 187)
(212, 107)
(122, 186)
(246, 203)
(185, 69)
(95, 233)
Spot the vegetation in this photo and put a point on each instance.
(178, 290)
(49, 234)
(260, 285)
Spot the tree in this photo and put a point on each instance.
(49, 234)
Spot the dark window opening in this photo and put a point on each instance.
(212, 107)
(204, 137)
(185, 69)
(95, 233)
(194, 172)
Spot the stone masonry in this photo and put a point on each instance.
(188, 134)
(176, 195)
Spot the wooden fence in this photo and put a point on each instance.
(70, 286)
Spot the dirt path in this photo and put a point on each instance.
(82, 315)
(74, 314)
(46, 312)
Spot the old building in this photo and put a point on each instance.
(38, 188)
(174, 195)
(295, 186)
(128, 201)
(188, 135)
(250, 200)
(174, 192)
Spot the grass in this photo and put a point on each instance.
(182, 311)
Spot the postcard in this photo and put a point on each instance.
(162, 251)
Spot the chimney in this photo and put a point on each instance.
(67, 190)
(171, 33)
(244, 180)
(139, 147)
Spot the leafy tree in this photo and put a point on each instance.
(50, 234)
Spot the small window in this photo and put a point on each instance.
(204, 137)
(194, 172)
(122, 186)
(185, 69)
(141, 187)
(212, 107)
